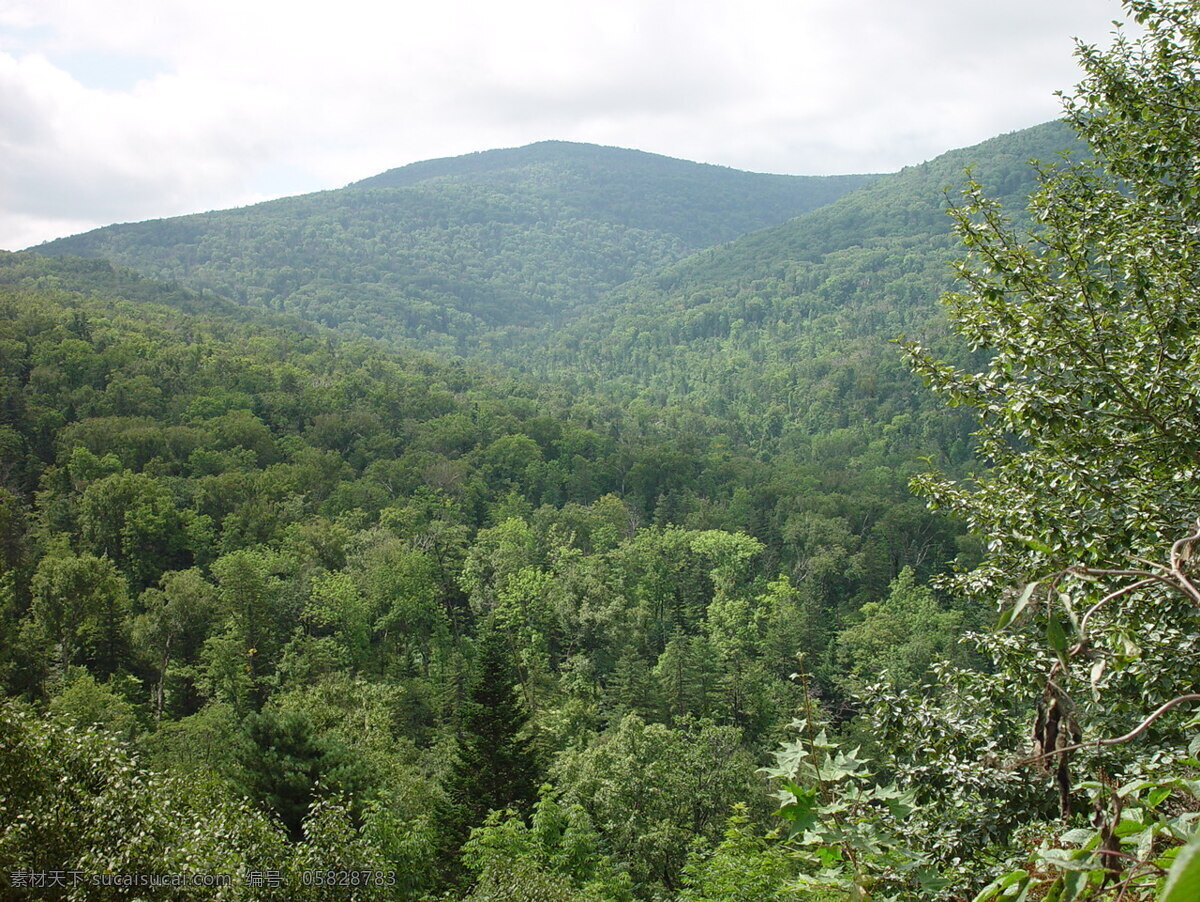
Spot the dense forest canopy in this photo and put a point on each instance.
(639, 606)
(450, 254)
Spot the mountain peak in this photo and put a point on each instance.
(487, 162)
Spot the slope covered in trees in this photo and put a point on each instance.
(442, 253)
(258, 555)
(785, 333)
(280, 603)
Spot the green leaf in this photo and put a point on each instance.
(993, 889)
(1074, 882)
(1035, 544)
(1056, 635)
(1022, 603)
(1079, 836)
(1183, 880)
(802, 813)
(1069, 860)
(1155, 797)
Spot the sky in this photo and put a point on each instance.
(125, 110)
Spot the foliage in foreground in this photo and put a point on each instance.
(1087, 416)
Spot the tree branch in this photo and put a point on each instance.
(1132, 734)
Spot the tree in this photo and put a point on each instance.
(80, 602)
(288, 765)
(132, 519)
(743, 868)
(558, 854)
(496, 767)
(1087, 417)
(1087, 408)
(904, 633)
(651, 791)
(173, 625)
(79, 800)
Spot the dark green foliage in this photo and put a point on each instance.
(780, 339)
(496, 767)
(288, 766)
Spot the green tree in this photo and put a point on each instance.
(1086, 407)
(496, 766)
(80, 602)
(904, 633)
(558, 848)
(744, 867)
(173, 625)
(652, 791)
(252, 593)
(84, 702)
(1086, 414)
(132, 519)
(78, 800)
(289, 764)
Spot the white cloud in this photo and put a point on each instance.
(113, 110)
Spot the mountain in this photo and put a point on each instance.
(787, 333)
(440, 253)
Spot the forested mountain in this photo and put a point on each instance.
(785, 333)
(776, 337)
(304, 570)
(440, 254)
(634, 602)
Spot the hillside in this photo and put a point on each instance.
(440, 253)
(680, 587)
(242, 544)
(786, 334)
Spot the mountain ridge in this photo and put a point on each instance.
(454, 253)
(485, 161)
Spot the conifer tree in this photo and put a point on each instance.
(496, 767)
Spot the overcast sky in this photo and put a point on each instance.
(121, 110)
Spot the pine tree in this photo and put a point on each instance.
(496, 767)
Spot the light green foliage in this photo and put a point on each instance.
(902, 634)
(252, 594)
(851, 829)
(334, 849)
(83, 702)
(497, 556)
(692, 478)
(224, 672)
(685, 678)
(207, 745)
(1086, 412)
(1138, 837)
(75, 799)
(337, 606)
(1090, 322)
(558, 847)
(744, 867)
(172, 626)
(1183, 880)
(366, 718)
(649, 789)
(401, 585)
(524, 881)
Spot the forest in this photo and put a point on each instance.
(567, 524)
